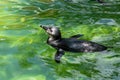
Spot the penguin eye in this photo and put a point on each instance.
(50, 29)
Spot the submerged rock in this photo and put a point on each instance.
(106, 21)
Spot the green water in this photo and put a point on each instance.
(24, 54)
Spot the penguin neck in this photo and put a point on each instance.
(53, 38)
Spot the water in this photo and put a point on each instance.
(25, 55)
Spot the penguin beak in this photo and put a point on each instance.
(44, 27)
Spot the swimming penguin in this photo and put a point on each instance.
(72, 44)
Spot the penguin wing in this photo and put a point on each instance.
(76, 36)
(58, 55)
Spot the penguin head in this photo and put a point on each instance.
(51, 30)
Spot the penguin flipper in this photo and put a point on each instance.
(77, 36)
(58, 55)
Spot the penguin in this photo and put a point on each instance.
(71, 44)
